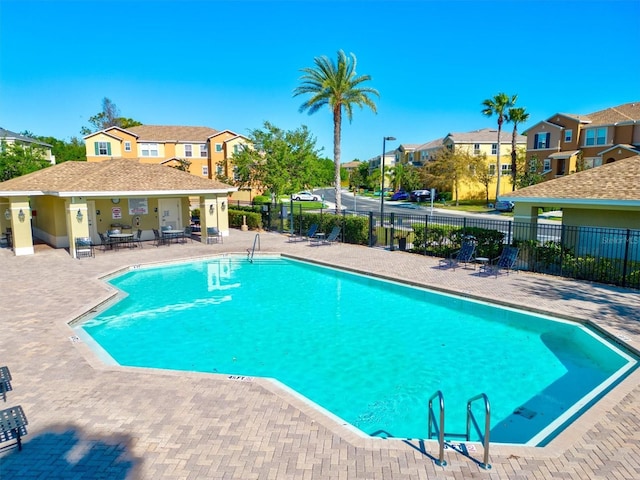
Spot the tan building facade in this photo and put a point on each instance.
(567, 143)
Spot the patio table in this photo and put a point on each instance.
(122, 239)
(169, 235)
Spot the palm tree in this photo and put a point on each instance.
(516, 115)
(338, 86)
(498, 106)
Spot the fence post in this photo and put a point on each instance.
(371, 242)
(626, 258)
(391, 232)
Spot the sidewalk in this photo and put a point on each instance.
(91, 420)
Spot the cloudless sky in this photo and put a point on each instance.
(234, 64)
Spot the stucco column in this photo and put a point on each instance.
(20, 224)
(214, 213)
(77, 221)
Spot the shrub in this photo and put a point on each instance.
(254, 220)
(261, 200)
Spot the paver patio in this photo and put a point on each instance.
(91, 420)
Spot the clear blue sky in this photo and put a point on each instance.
(234, 64)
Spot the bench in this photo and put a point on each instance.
(5, 382)
(13, 425)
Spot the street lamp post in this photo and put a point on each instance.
(384, 145)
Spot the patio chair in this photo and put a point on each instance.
(465, 255)
(105, 242)
(187, 234)
(214, 235)
(5, 382)
(320, 239)
(138, 238)
(504, 262)
(158, 239)
(84, 247)
(310, 233)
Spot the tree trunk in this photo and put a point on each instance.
(513, 156)
(337, 121)
(498, 166)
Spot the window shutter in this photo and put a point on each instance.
(547, 141)
(535, 141)
(95, 144)
(108, 148)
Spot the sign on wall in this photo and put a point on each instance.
(138, 206)
(116, 213)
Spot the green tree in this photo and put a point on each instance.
(279, 161)
(484, 175)
(337, 86)
(498, 106)
(18, 159)
(516, 115)
(451, 167)
(529, 172)
(108, 117)
(64, 151)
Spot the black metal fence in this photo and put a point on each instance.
(605, 255)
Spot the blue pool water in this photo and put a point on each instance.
(369, 351)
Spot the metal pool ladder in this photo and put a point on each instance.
(436, 427)
(251, 251)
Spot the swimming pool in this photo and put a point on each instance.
(369, 351)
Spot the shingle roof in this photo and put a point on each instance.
(609, 116)
(8, 134)
(621, 113)
(619, 180)
(117, 175)
(162, 133)
(488, 135)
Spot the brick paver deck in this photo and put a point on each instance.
(91, 420)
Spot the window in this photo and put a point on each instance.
(476, 148)
(505, 168)
(149, 149)
(492, 169)
(237, 148)
(127, 146)
(596, 136)
(102, 148)
(568, 136)
(218, 147)
(533, 165)
(219, 169)
(205, 171)
(188, 152)
(541, 140)
(203, 150)
(236, 177)
(547, 165)
(494, 149)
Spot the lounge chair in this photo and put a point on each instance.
(465, 255)
(320, 239)
(504, 262)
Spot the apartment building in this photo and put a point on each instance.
(566, 143)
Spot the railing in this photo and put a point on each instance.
(251, 251)
(487, 426)
(438, 426)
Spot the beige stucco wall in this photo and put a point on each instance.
(116, 147)
(609, 217)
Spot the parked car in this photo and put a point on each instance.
(420, 195)
(504, 206)
(305, 197)
(400, 195)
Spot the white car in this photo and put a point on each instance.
(305, 196)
